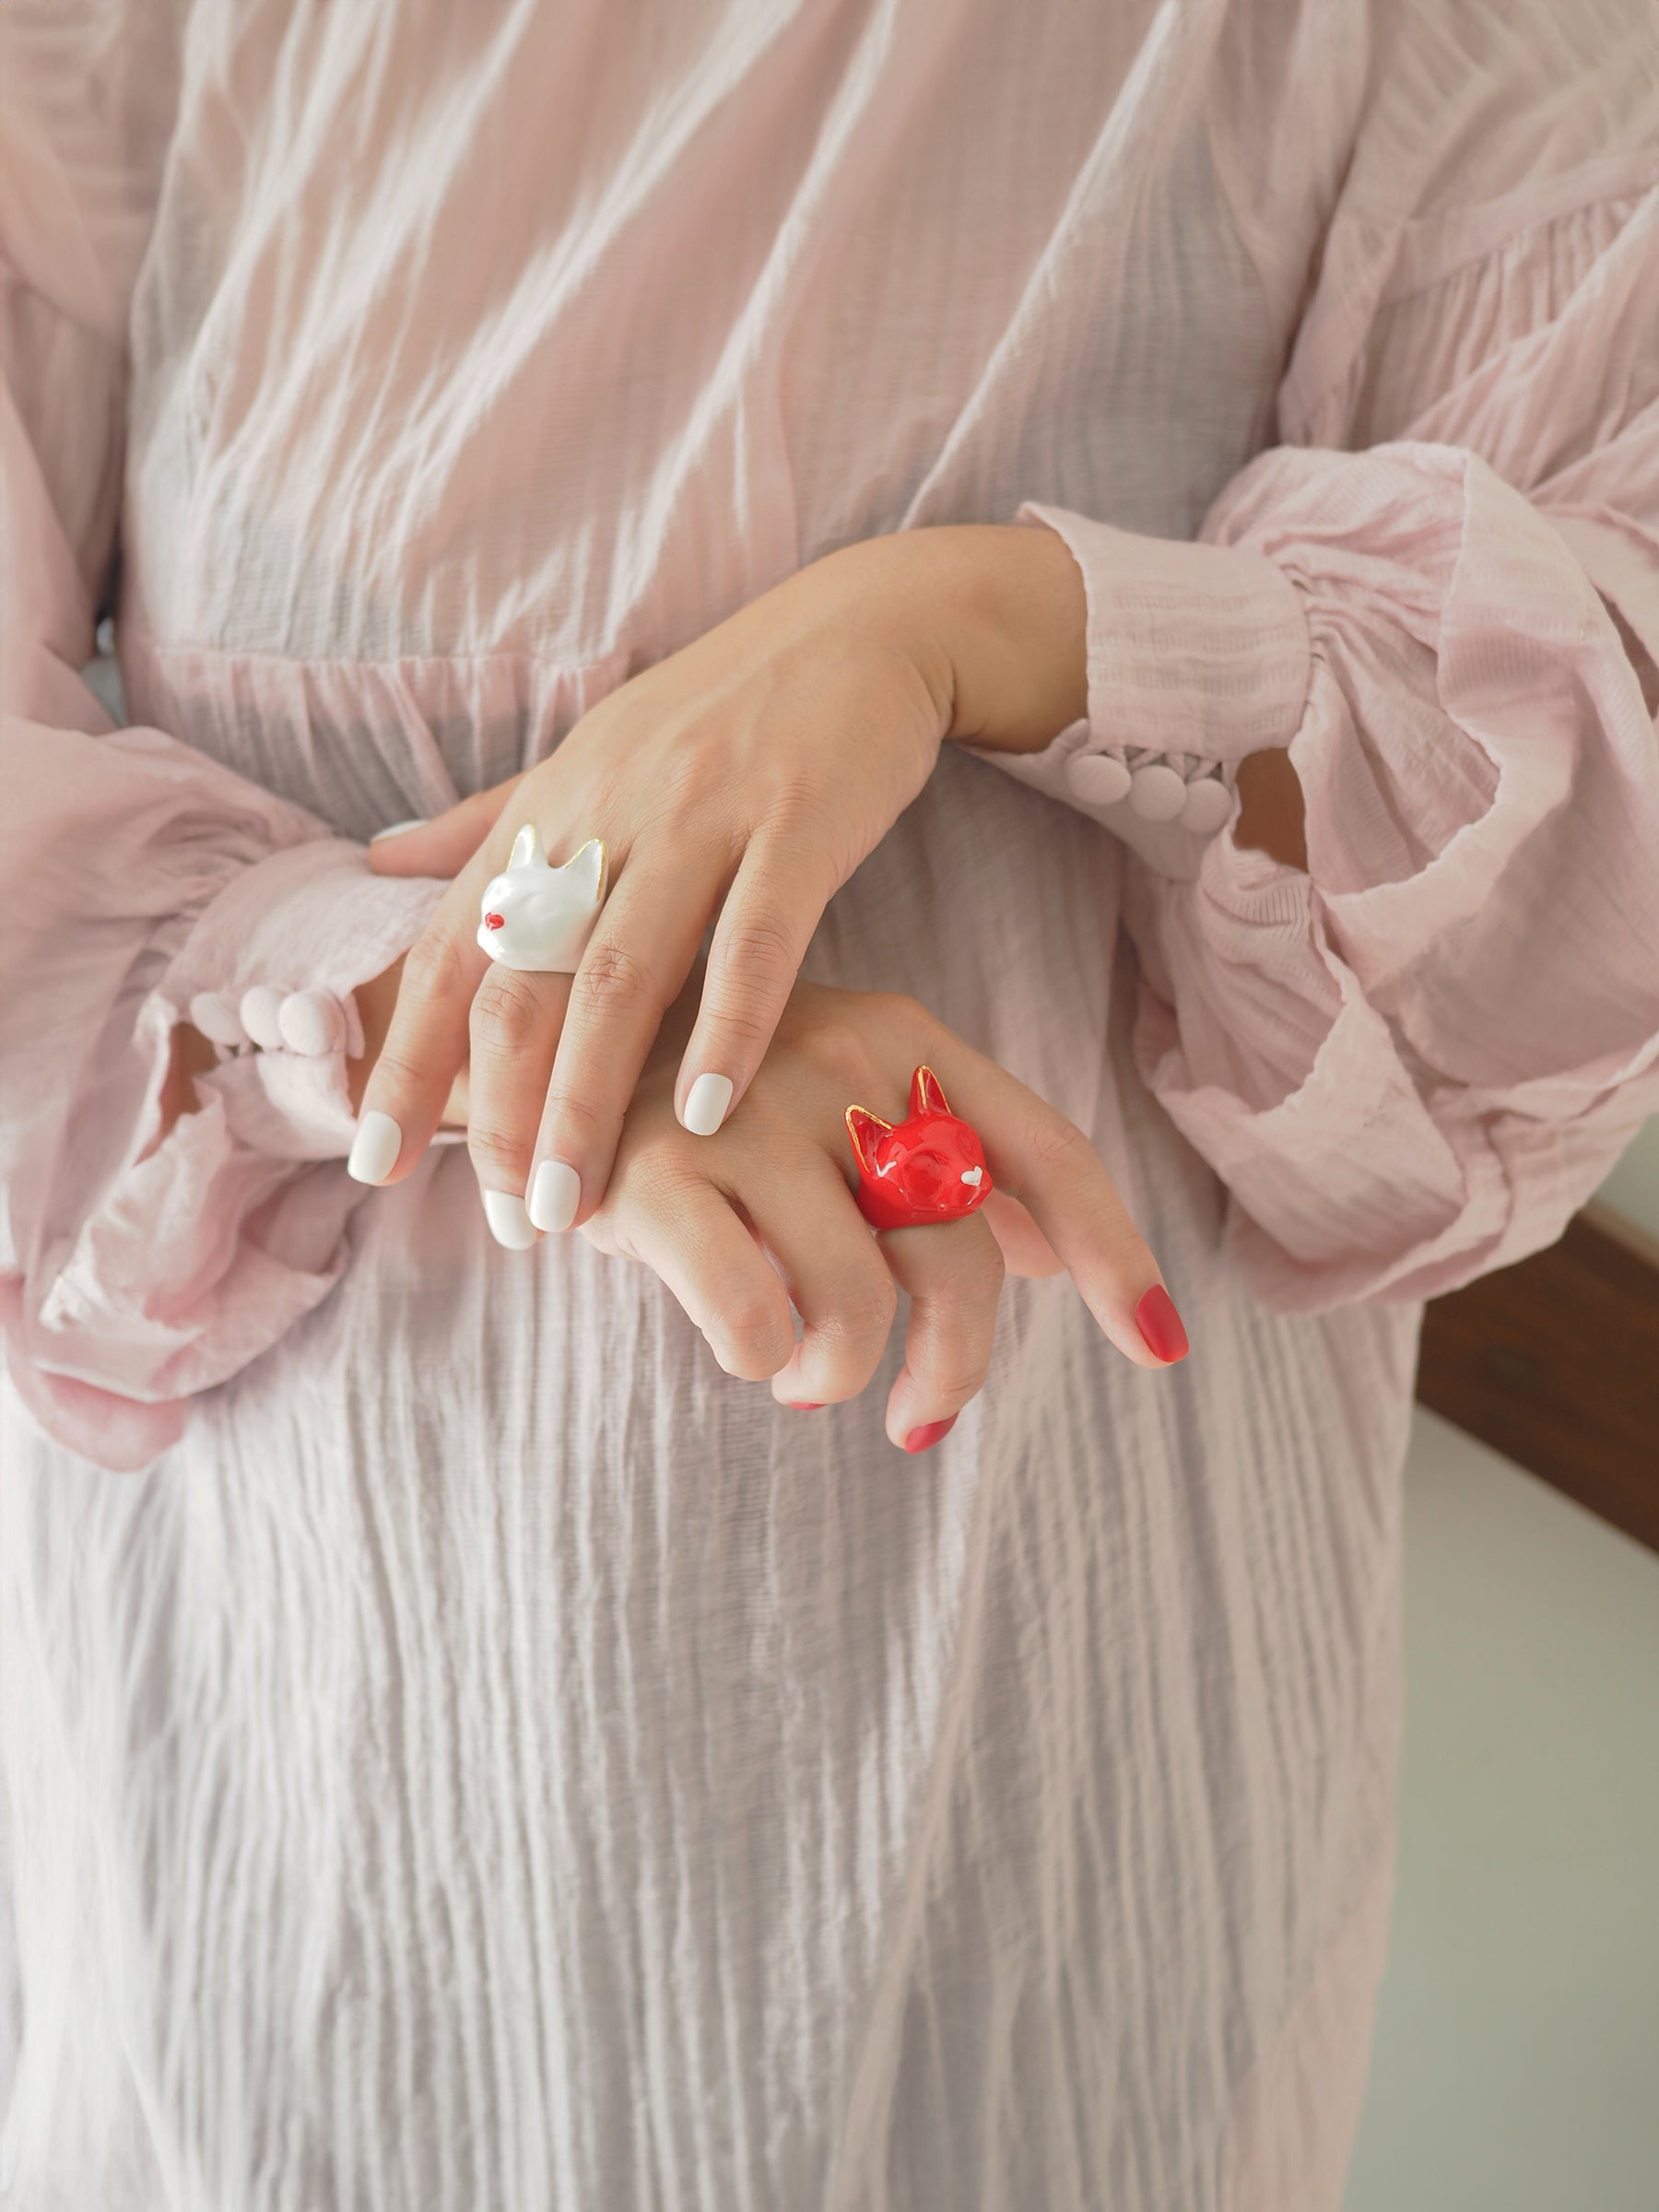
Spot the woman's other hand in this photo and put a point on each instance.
(761, 1217)
(739, 782)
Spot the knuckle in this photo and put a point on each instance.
(573, 1120)
(754, 975)
(1058, 1146)
(863, 1311)
(397, 1075)
(972, 1276)
(841, 1055)
(905, 1016)
(502, 1159)
(957, 1380)
(743, 1023)
(507, 1012)
(654, 1181)
(432, 967)
(760, 944)
(612, 982)
(753, 1339)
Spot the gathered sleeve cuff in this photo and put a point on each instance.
(1199, 654)
(141, 886)
(1412, 1062)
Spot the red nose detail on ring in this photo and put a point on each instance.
(495, 922)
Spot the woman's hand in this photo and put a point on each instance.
(745, 777)
(744, 1224)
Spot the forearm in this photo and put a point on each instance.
(1004, 611)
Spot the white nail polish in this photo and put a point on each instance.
(555, 1194)
(374, 1149)
(706, 1104)
(417, 821)
(510, 1224)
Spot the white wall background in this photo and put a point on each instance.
(1516, 2064)
(1632, 1190)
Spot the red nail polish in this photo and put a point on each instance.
(929, 1433)
(1159, 1325)
(806, 1404)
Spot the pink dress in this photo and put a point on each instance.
(459, 1748)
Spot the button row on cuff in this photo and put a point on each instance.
(310, 1022)
(1155, 789)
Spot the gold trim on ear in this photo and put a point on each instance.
(601, 867)
(862, 1127)
(927, 1093)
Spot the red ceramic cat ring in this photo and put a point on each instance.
(930, 1167)
(539, 917)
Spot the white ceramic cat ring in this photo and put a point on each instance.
(539, 917)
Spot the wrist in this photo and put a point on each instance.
(1010, 617)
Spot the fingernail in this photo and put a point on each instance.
(1159, 1325)
(706, 1104)
(804, 1404)
(374, 1149)
(509, 1220)
(929, 1433)
(397, 828)
(555, 1194)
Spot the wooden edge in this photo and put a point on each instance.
(1554, 1363)
(1622, 1230)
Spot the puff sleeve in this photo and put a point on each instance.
(141, 885)
(1411, 1063)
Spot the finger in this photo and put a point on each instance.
(839, 1282)
(443, 845)
(513, 1033)
(954, 1275)
(633, 969)
(1038, 1157)
(776, 901)
(686, 1231)
(1025, 1250)
(425, 1044)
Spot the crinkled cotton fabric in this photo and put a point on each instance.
(460, 1748)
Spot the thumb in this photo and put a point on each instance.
(445, 845)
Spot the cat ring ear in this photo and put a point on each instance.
(926, 1095)
(538, 917)
(586, 873)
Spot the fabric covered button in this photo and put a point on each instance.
(1099, 778)
(262, 1015)
(215, 1017)
(312, 1022)
(1156, 793)
(1206, 807)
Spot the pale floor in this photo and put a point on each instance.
(1517, 2055)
